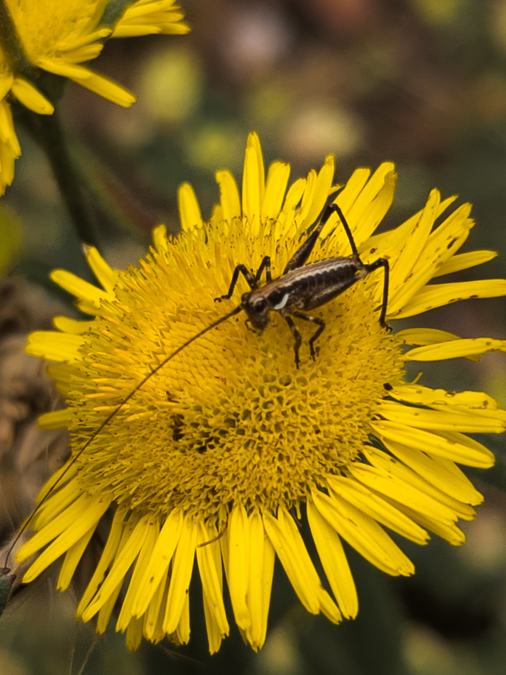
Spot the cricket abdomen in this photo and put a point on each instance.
(311, 285)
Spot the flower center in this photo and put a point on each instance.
(230, 419)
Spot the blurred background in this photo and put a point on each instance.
(419, 82)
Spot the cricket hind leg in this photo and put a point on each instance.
(304, 251)
(376, 265)
(371, 267)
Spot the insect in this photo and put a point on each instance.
(304, 287)
(301, 287)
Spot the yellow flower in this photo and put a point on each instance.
(148, 17)
(60, 38)
(9, 146)
(225, 451)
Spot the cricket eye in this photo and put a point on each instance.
(259, 304)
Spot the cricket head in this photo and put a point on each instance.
(256, 306)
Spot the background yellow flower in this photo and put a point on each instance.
(60, 38)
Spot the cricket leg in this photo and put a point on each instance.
(321, 327)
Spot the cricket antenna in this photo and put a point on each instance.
(111, 416)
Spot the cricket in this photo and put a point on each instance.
(301, 287)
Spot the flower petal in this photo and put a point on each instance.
(437, 295)
(336, 567)
(182, 567)
(455, 349)
(294, 557)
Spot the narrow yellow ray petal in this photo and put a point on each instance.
(261, 570)
(363, 534)
(447, 531)
(182, 632)
(238, 565)
(394, 486)
(253, 182)
(377, 209)
(86, 77)
(443, 242)
(428, 336)
(420, 395)
(441, 473)
(321, 192)
(159, 235)
(88, 36)
(292, 553)
(72, 559)
(108, 554)
(158, 565)
(209, 565)
(61, 523)
(352, 188)
(87, 52)
(78, 287)
(435, 444)
(295, 193)
(455, 349)
(54, 346)
(57, 503)
(438, 295)
(442, 420)
(56, 419)
(62, 476)
(328, 607)
(334, 561)
(372, 188)
(105, 613)
(87, 307)
(182, 566)
(375, 507)
(307, 200)
(189, 209)
(75, 326)
(31, 97)
(103, 86)
(464, 261)
(229, 195)
(406, 263)
(214, 635)
(126, 612)
(122, 563)
(390, 243)
(81, 525)
(138, 29)
(424, 336)
(153, 617)
(449, 508)
(103, 272)
(275, 188)
(478, 448)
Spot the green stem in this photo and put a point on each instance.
(49, 134)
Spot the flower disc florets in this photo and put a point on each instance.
(231, 420)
